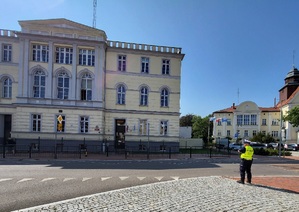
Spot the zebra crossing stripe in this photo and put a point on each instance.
(5, 179)
(175, 178)
(25, 179)
(105, 178)
(123, 178)
(159, 178)
(47, 179)
(68, 179)
(141, 178)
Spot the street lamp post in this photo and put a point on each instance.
(281, 128)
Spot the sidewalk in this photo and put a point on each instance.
(185, 195)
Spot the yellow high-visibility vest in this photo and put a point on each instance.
(247, 155)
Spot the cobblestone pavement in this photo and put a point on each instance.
(215, 193)
(195, 194)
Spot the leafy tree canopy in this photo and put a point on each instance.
(263, 138)
(186, 121)
(293, 116)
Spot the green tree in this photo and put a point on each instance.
(186, 121)
(200, 127)
(293, 116)
(263, 138)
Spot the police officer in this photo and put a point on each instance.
(246, 162)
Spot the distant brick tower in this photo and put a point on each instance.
(291, 84)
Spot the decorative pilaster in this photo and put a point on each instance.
(50, 79)
(74, 74)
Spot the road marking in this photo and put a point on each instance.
(68, 179)
(159, 178)
(105, 178)
(5, 179)
(123, 178)
(85, 179)
(25, 179)
(47, 179)
(175, 178)
(141, 178)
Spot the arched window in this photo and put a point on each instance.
(121, 95)
(7, 88)
(86, 87)
(39, 84)
(164, 98)
(63, 85)
(143, 96)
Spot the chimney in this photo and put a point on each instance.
(274, 101)
(233, 105)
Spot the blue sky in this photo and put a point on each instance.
(230, 45)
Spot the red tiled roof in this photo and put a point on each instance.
(263, 109)
(285, 102)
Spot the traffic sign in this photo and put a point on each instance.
(60, 119)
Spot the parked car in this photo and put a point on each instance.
(271, 145)
(277, 145)
(293, 147)
(258, 146)
(235, 146)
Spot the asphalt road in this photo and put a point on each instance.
(27, 183)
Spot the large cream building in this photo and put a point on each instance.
(63, 80)
(247, 119)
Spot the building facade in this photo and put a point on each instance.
(247, 119)
(63, 80)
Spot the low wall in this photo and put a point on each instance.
(191, 142)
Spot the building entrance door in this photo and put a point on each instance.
(120, 129)
(5, 128)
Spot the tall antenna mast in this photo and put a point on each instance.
(94, 13)
(238, 95)
(294, 58)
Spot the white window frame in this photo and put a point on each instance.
(7, 88)
(86, 57)
(239, 120)
(40, 53)
(145, 65)
(246, 133)
(164, 127)
(64, 55)
(39, 84)
(275, 122)
(246, 119)
(228, 133)
(165, 66)
(144, 96)
(36, 122)
(264, 122)
(63, 85)
(253, 119)
(143, 127)
(121, 95)
(84, 124)
(274, 134)
(6, 53)
(122, 63)
(164, 98)
(86, 87)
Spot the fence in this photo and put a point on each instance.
(62, 151)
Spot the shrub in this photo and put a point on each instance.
(271, 152)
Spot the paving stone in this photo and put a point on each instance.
(196, 194)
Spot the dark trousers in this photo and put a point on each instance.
(245, 166)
